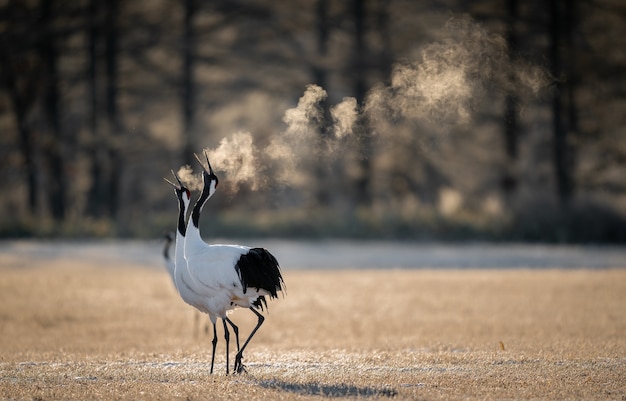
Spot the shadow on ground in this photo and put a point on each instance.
(328, 390)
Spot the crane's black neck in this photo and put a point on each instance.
(197, 208)
(182, 227)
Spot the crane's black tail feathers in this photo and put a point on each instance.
(259, 269)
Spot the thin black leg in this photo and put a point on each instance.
(214, 345)
(238, 364)
(235, 330)
(227, 338)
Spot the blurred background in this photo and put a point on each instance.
(398, 119)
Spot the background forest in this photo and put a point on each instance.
(496, 120)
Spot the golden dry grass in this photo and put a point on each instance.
(72, 331)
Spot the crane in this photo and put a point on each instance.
(228, 276)
(170, 265)
(177, 267)
(180, 274)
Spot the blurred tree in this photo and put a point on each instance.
(91, 88)
(561, 148)
(97, 193)
(511, 128)
(54, 146)
(384, 56)
(115, 127)
(101, 37)
(188, 96)
(360, 57)
(320, 77)
(20, 69)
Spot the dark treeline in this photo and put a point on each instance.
(400, 119)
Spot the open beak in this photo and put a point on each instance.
(177, 179)
(206, 155)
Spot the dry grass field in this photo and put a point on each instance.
(69, 330)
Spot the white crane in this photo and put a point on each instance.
(177, 267)
(227, 276)
(183, 282)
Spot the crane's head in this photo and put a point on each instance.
(182, 192)
(208, 177)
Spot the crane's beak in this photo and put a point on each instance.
(177, 179)
(180, 184)
(170, 182)
(199, 161)
(206, 155)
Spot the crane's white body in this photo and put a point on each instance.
(212, 274)
(213, 277)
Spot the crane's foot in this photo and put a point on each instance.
(239, 366)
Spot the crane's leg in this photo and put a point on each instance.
(214, 345)
(235, 330)
(238, 364)
(227, 338)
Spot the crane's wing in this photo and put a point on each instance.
(215, 267)
(259, 269)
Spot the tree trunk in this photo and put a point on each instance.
(54, 149)
(363, 195)
(571, 26)
(115, 128)
(20, 105)
(510, 179)
(559, 131)
(321, 13)
(95, 205)
(188, 92)
(22, 78)
(320, 75)
(383, 25)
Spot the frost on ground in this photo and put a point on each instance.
(431, 374)
(71, 329)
